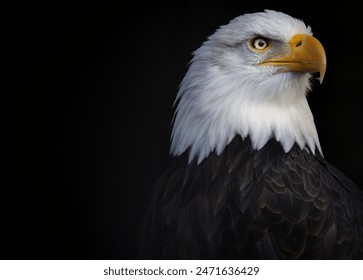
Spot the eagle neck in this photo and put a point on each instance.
(208, 118)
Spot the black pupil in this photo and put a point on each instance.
(261, 43)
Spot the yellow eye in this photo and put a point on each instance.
(259, 43)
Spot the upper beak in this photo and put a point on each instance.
(306, 54)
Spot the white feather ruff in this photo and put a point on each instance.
(226, 93)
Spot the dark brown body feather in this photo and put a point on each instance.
(248, 204)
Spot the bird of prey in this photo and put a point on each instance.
(247, 178)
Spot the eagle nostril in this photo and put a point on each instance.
(298, 44)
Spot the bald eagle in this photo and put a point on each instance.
(247, 178)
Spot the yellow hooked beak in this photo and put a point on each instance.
(306, 54)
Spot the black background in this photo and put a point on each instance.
(89, 104)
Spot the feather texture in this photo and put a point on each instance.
(254, 204)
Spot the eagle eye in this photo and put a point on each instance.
(259, 43)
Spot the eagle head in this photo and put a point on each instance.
(250, 78)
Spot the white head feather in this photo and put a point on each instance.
(226, 93)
